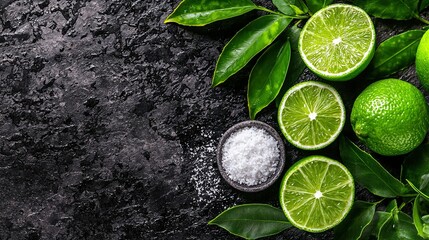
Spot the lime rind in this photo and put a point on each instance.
(303, 135)
(301, 183)
(422, 61)
(346, 51)
(390, 117)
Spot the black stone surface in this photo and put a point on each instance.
(109, 125)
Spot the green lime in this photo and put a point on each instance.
(338, 42)
(317, 193)
(422, 61)
(390, 117)
(311, 115)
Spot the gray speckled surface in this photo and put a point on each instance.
(109, 126)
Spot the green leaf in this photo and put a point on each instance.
(267, 77)
(395, 54)
(252, 221)
(425, 223)
(248, 42)
(390, 9)
(418, 190)
(288, 7)
(415, 168)
(297, 67)
(316, 5)
(425, 219)
(356, 222)
(297, 10)
(401, 227)
(392, 206)
(423, 4)
(425, 230)
(381, 219)
(368, 172)
(424, 184)
(202, 12)
(417, 219)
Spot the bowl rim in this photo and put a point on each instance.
(273, 178)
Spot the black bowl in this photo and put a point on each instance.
(270, 181)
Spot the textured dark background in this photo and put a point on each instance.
(108, 124)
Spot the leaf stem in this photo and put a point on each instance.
(300, 16)
(278, 13)
(267, 10)
(409, 195)
(418, 17)
(402, 206)
(297, 23)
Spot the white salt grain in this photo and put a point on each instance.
(250, 156)
(205, 178)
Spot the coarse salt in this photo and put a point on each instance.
(250, 156)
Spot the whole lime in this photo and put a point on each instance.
(422, 61)
(390, 117)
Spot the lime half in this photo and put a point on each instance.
(317, 193)
(311, 115)
(338, 42)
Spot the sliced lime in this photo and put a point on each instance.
(338, 42)
(316, 193)
(311, 115)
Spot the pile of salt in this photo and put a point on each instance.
(250, 156)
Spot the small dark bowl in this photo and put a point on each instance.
(270, 181)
